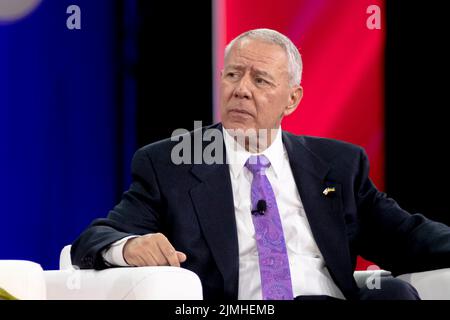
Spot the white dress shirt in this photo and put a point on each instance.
(113, 255)
(309, 274)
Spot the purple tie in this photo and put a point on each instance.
(273, 259)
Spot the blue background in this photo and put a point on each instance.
(67, 115)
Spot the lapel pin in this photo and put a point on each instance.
(329, 190)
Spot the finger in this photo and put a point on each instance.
(136, 261)
(154, 255)
(141, 262)
(136, 253)
(169, 253)
(149, 258)
(181, 256)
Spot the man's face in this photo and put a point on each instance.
(255, 90)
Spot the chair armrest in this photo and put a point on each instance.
(431, 285)
(143, 283)
(363, 276)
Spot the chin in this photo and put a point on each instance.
(237, 125)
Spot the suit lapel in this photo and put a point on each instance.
(323, 212)
(214, 204)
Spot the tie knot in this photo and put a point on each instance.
(257, 164)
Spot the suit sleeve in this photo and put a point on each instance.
(393, 238)
(136, 214)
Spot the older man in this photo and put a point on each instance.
(284, 217)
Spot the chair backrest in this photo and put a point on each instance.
(65, 261)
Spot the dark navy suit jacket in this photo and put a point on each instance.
(192, 204)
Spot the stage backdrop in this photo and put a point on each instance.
(64, 125)
(343, 58)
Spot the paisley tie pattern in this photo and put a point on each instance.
(273, 259)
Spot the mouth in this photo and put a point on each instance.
(240, 111)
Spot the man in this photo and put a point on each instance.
(285, 217)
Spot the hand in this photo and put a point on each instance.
(152, 250)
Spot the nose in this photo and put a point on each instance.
(242, 90)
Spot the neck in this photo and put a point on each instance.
(252, 140)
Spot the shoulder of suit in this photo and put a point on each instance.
(321, 145)
(164, 146)
(326, 147)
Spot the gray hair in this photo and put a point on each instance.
(295, 64)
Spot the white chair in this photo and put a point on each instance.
(27, 280)
(431, 285)
(144, 283)
(22, 279)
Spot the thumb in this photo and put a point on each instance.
(181, 256)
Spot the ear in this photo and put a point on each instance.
(295, 97)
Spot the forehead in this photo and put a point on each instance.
(257, 54)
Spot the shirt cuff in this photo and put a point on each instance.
(113, 255)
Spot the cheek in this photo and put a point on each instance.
(226, 91)
(270, 107)
(225, 94)
(266, 103)
(280, 102)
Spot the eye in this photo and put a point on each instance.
(261, 81)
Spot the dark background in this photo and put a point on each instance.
(417, 90)
(174, 73)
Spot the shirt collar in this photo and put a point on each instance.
(237, 155)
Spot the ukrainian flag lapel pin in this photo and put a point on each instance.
(329, 191)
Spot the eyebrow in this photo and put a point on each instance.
(257, 71)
